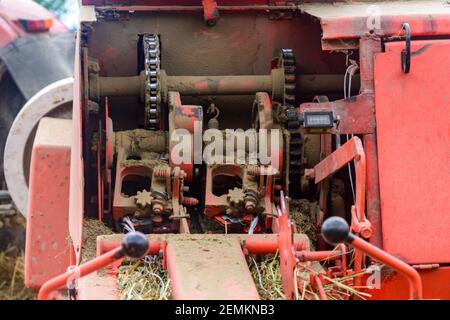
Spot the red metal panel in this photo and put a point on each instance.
(354, 19)
(47, 252)
(168, 2)
(412, 112)
(395, 287)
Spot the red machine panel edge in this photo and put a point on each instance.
(413, 139)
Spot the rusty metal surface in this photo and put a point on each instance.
(232, 47)
(413, 139)
(47, 252)
(223, 85)
(373, 189)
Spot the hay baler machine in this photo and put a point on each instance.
(213, 134)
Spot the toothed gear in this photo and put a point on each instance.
(152, 82)
(287, 62)
(236, 196)
(143, 199)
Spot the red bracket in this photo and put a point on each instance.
(210, 12)
(351, 150)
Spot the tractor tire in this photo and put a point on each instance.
(11, 101)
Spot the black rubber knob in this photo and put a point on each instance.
(335, 230)
(135, 245)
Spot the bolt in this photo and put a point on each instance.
(189, 201)
(211, 22)
(366, 232)
(157, 208)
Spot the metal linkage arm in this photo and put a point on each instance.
(335, 230)
(134, 245)
(351, 150)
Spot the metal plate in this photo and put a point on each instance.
(413, 128)
(353, 19)
(209, 267)
(47, 251)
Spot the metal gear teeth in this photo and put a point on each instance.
(287, 62)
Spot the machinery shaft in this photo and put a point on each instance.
(219, 85)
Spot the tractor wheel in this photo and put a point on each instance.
(11, 100)
(54, 101)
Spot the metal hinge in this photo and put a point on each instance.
(427, 266)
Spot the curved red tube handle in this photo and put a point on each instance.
(335, 230)
(134, 245)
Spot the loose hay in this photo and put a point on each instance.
(335, 288)
(12, 239)
(303, 213)
(12, 278)
(144, 279)
(92, 228)
(267, 276)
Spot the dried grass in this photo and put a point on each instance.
(12, 266)
(12, 278)
(336, 288)
(144, 279)
(303, 213)
(267, 276)
(92, 228)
